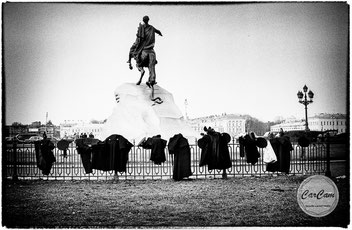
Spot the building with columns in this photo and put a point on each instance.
(72, 128)
(231, 124)
(319, 122)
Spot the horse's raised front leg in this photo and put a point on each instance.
(142, 74)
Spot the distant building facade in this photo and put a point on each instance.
(34, 128)
(231, 124)
(288, 126)
(13, 130)
(320, 122)
(72, 128)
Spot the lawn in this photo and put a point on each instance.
(247, 201)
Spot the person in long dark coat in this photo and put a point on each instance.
(157, 146)
(282, 147)
(250, 146)
(179, 147)
(84, 149)
(44, 154)
(285, 154)
(224, 153)
(215, 152)
(111, 154)
(205, 144)
(116, 146)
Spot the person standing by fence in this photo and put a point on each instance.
(179, 147)
(44, 154)
(215, 152)
(282, 147)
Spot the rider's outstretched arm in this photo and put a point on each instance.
(158, 32)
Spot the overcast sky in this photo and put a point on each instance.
(67, 59)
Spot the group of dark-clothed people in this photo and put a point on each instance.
(83, 135)
(280, 144)
(178, 146)
(112, 153)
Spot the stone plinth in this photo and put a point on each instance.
(135, 116)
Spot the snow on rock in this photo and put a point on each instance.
(135, 116)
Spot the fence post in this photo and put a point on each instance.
(14, 145)
(328, 172)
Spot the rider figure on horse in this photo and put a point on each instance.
(143, 52)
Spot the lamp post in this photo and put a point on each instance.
(303, 99)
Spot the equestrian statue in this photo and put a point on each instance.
(143, 52)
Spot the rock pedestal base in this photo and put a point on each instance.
(135, 116)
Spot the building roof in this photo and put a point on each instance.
(220, 117)
(330, 116)
(289, 124)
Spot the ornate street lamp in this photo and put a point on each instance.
(303, 99)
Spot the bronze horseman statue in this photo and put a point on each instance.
(143, 52)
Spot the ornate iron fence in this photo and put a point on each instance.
(20, 162)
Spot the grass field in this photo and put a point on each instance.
(247, 201)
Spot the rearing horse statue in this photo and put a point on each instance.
(143, 52)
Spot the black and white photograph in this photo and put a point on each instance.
(175, 114)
